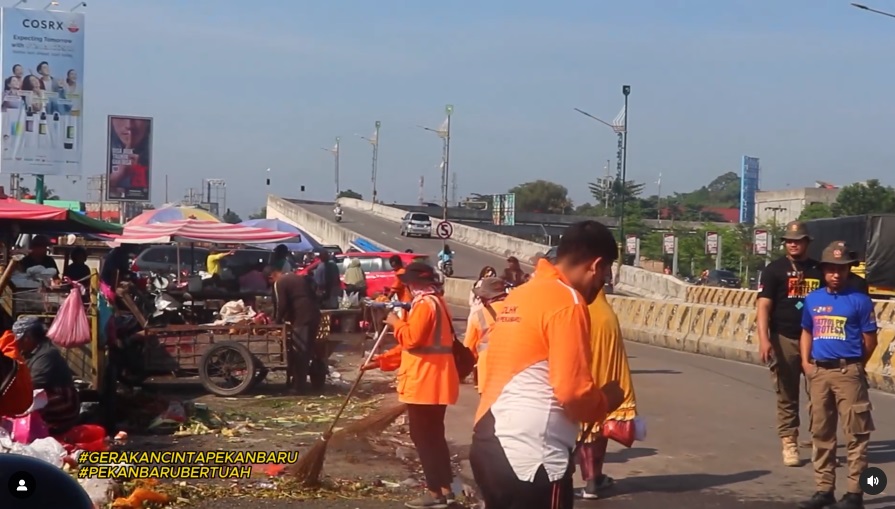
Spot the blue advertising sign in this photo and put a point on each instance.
(42, 58)
(749, 175)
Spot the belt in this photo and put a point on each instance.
(836, 363)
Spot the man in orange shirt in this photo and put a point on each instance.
(491, 293)
(16, 390)
(539, 386)
(427, 379)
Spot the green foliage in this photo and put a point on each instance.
(608, 194)
(231, 217)
(348, 193)
(864, 198)
(816, 211)
(49, 194)
(542, 196)
(261, 214)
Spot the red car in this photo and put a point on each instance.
(375, 265)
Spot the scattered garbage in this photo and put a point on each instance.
(47, 449)
(100, 491)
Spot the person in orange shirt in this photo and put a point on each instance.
(490, 293)
(427, 378)
(16, 390)
(398, 288)
(538, 386)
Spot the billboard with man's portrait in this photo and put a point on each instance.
(42, 58)
(129, 160)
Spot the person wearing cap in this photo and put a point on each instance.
(37, 255)
(50, 372)
(610, 363)
(398, 289)
(782, 289)
(427, 378)
(839, 334)
(491, 293)
(538, 384)
(296, 304)
(513, 273)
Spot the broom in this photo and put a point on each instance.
(307, 469)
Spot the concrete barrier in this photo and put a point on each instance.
(651, 285)
(723, 332)
(322, 229)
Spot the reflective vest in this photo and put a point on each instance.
(427, 374)
(440, 343)
(484, 328)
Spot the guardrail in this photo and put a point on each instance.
(366, 246)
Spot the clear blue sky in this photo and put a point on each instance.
(237, 87)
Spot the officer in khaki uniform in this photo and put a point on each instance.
(838, 337)
(781, 293)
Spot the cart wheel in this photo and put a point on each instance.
(227, 369)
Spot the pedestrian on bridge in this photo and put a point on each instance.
(781, 297)
(839, 334)
(538, 384)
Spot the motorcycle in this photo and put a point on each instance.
(338, 214)
(447, 268)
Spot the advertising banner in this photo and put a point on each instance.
(749, 175)
(761, 242)
(668, 243)
(631, 244)
(42, 57)
(129, 158)
(503, 209)
(711, 243)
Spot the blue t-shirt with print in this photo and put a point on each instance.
(837, 322)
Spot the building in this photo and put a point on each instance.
(787, 205)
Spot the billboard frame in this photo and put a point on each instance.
(749, 184)
(108, 169)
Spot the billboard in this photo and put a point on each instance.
(42, 57)
(711, 243)
(668, 243)
(749, 174)
(503, 209)
(631, 244)
(760, 242)
(129, 158)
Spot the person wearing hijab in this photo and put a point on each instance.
(49, 372)
(355, 279)
(475, 303)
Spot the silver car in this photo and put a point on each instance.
(416, 223)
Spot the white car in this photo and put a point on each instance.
(416, 224)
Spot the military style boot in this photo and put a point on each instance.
(791, 451)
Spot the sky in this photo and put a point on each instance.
(239, 87)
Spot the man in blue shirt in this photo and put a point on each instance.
(838, 337)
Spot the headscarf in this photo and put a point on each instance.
(355, 274)
(26, 324)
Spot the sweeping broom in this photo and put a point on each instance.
(307, 469)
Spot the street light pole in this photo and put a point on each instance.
(626, 90)
(865, 8)
(449, 109)
(338, 188)
(375, 157)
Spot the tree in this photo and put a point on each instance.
(261, 214)
(608, 194)
(231, 217)
(864, 198)
(49, 194)
(348, 193)
(815, 210)
(543, 197)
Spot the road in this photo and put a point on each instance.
(468, 260)
(711, 441)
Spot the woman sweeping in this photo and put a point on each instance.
(427, 379)
(610, 363)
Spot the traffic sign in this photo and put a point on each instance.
(444, 230)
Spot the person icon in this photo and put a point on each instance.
(22, 486)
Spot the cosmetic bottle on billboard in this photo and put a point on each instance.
(43, 131)
(71, 132)
(55, 135)
(28, 135)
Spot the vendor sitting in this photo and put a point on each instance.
(77, 270)
(49, 372)
(37, 255)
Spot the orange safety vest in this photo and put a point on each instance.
(478, 339)
(427, 374)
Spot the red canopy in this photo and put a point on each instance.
(194, 230)
(11, 209)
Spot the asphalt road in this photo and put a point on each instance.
(711, 441)
(468, 260)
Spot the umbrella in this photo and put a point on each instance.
(173, 213)
(301, 242)
(33, 218)
(194, 230)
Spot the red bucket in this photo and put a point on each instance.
(87, 437)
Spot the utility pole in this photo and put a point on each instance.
(626, 91)
(449, 109)
(454, 188)
(659, 199)
(422, 195)
(375, 143)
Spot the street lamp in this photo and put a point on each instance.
(335, 152)
(865, 8)
(51, 4)
(78, 6)
(620, 126)
(20, 2)
(444, 132)
(374, 141)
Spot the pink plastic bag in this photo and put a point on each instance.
(27, 429)
(70, 328)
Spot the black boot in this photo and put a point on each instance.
(850, 501)
(819, 500)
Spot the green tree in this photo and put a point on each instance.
(261, 214)
(348, 193)
(869, 197)
(816, 210)
(231, 217)
(542, 196)
(49, 194)
(608, 194)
